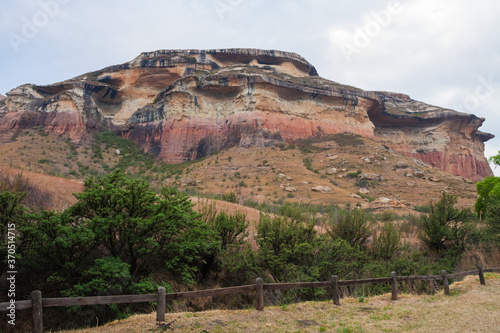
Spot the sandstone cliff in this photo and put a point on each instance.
(186, 104)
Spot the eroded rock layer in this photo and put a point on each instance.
(187, 104)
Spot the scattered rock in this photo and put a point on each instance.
(281, 175)
(289, 178)
(306, 182)
(366, 160)
(409, 174)
(331, 171)
(418, 173)
(355, 196)
(364, 190)
(370, 176)
(332, 157)
(322, 189)
(411, 184)
(386, 203)
(434, 179)
(290, 189)
(401, 165)
(118, 152)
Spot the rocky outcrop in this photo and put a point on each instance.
(443, 138)
(186, 104)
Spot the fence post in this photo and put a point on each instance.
(446, 287)
(335, 290)
(394, 286)
(259, 285)
(36, 311)
(481, 275)
(160, 307)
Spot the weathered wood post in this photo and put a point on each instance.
(160, 307)
(481, 275)
(36, 311)
(259, 285)
(394, 286)
(446, 287)
(335, 290)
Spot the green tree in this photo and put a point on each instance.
(232, 256)
(488, 203)
(285, 246)
(387, 244)
(350, 225)
(12, 214)
(147, 230)
(447, 226)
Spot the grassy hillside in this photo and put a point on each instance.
(270, 175)
(471, 308)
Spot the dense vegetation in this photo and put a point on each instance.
(125, 237)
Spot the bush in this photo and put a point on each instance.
(285, 246)
(230, 197)
(387, 244)
(351, 225)
(447, 227)
(354, 174)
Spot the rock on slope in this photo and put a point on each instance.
(186, 104)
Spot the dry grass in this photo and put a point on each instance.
(254, 174)
(471, 308)
(60, 189)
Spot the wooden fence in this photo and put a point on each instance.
(37, 303)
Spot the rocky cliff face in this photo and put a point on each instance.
(187, 104)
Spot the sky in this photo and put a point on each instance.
(442, 52)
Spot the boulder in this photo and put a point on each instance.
(401, 165)
(322, 189)
(331, 171)
(386, 203)
(364, 190)
(370, 176)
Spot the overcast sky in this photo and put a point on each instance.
(443, 52)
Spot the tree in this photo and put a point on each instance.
(488, 203)
(351, 225)
(149, 231)
(387, 244)
(12, 212)
(286, 246)
(447, 226)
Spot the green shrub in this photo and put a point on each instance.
(354, 174)
(447, 226)
(387, 244)
(230, 197)
(350, 225)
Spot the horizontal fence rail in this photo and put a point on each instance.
(37, 303)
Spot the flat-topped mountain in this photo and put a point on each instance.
(186, 104)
